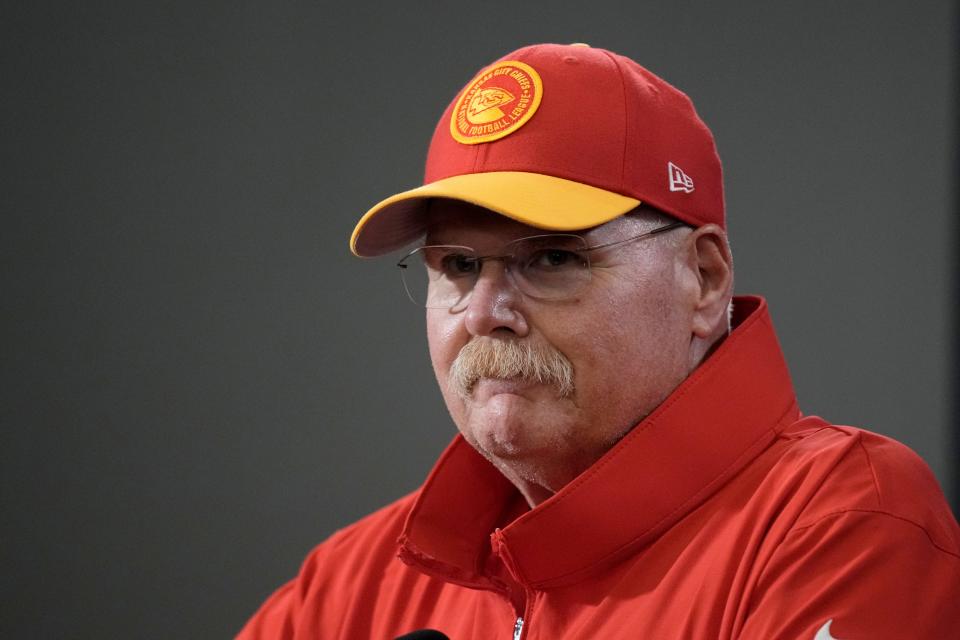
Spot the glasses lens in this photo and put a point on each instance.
(550, 267)
(439, 276)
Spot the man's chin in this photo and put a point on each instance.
(511, 424)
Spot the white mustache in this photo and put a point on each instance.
(510, 359)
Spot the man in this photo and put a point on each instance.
(631, 461)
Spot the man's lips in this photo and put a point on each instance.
(488, 387)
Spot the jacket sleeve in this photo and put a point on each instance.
(857, 574)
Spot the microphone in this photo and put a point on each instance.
(424, 634)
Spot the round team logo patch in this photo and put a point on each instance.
(498, 102)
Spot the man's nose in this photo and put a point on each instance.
(495, 303)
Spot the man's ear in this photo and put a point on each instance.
(708, 254)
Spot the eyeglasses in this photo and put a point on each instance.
(545, 267)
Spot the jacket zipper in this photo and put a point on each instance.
(497, 537)
(518, 628)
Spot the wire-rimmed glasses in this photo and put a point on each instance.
(552, 266)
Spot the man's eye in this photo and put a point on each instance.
(554, 259)
(457, 264)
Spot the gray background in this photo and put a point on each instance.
(199, 381)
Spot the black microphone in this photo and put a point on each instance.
(424, 634)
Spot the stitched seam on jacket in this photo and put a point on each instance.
(842, 512)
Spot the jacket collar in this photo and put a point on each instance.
(712, 425)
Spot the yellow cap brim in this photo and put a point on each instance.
(535, 199)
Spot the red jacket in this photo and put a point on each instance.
(724, 514)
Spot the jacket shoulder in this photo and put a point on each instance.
(343, 569)
(854, 469)
(373, 538)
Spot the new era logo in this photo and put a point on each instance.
(679, 181)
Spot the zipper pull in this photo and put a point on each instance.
(518, 629)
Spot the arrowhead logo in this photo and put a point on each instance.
(485, 106)
(679, 181)
(824, 632)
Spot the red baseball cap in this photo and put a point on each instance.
(560, 137)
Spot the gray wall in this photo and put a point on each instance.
(200, 383)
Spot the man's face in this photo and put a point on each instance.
(627, 337)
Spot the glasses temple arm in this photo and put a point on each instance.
(653, 232)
